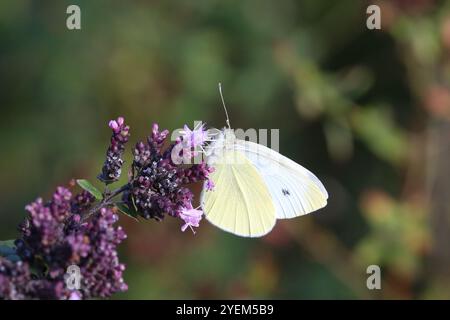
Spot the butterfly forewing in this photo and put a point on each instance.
(294, 189)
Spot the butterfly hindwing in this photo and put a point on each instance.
(240, 202)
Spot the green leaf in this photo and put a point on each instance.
(86, 185)
(8, 243)
(376, 127)
(7, 248)
(127, 211)
(134, 204)
(13, 258)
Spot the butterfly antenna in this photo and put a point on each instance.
(224, 107)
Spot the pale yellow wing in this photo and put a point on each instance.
(240, 203)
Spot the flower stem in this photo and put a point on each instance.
(106, 201)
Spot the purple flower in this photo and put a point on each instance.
(191, 142)
(197, 172)
(81, 202)
(112, 168)
(116, 125)
(75, 295)
(158, 185)
(157, 139)
(196, 137)
(101, 270)
(14, 279)
(191, 217)
(209, 185)
(68, 230)
(18, 283)
(52, 239)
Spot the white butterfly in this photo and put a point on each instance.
(255, 186)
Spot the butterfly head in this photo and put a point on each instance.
(222, 140)
(229, 137)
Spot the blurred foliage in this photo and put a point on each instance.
(367, 111)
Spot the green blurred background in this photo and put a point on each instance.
(368, 111)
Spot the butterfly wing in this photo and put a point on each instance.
(240, 202)
(294, 189)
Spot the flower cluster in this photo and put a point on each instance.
(15, 280)
(101, 269)
(112, 168)
(159, 181)
(73, 231)
(54, 237)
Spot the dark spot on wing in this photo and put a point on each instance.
(285, 192)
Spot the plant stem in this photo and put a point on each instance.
(106, 201)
